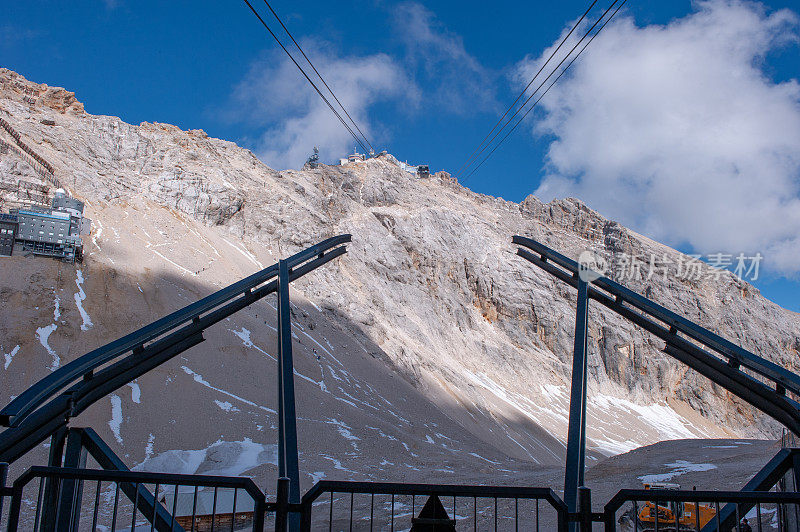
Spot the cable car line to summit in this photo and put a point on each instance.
(567, 56)
(547, 90)
(318, 74)
(327, 102)
(521, 94)
(511, 118)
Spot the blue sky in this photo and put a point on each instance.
(428, 80)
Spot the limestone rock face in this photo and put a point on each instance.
(430, 293)
(17, 88)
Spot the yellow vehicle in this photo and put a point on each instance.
(687, 515)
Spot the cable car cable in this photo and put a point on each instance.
(318, 74)
(306, 75)
(521, 94)
(548, 88)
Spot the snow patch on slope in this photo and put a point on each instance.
(80, 297)
(43, 334)
(116, 417)
(136, 392)
(679, 467)
(10, 356)
(199, 379)
(220, 458)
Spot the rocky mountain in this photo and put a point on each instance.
(428, 350)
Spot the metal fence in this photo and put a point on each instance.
(700, 511)
(332, 505)
(65, 499)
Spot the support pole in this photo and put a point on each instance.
(3, 477)
(585, 508)
(282, 501)
(50, 500)
(576, 435)
(288, 462)
(71, 491)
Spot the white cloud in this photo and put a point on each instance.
(678, 131)
(275, 92)
(454, 80)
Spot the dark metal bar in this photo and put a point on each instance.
(174, 507)
(282, 500)
(68, 373)
(656, 505)
(287, 416)
(330, 514)
(153, 514)
(666, 325)
(3, 478)
(69, 513)
(38, 505)
(760, 365)
(401, 488)
(214, 509)
(194, 507)
(14, 510)
(233, 510)
(58, 440)
(576, 442)
(474, 514)
(135, 508)
(585, 508)
(116, 504)
(96, 504)
(758, 515)
(738, 520)
(351, 512)
(31, 420)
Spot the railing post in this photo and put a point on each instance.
(288, 462)
(3, 478)
(794, 509)
(585, 508)
(50, 499)
(71, 491)
(576, 435)
(282, 502)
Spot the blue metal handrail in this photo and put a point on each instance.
(733, 352)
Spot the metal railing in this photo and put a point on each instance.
(672, 510)
(762, 383)
(124, 500)
(37, 162)
(115, 500)
(332, 505)
(46, 407)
